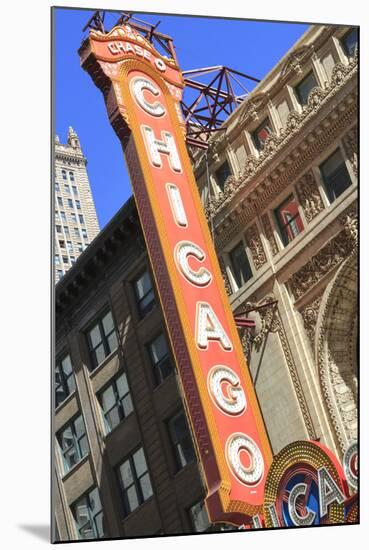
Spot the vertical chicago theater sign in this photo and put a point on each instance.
(142, 91)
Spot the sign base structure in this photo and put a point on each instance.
(142, 91)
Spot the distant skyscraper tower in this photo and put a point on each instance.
(76, 223)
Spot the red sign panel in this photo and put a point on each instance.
(142, 91)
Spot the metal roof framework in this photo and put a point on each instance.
(211, 93)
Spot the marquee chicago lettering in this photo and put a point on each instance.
(208, 327)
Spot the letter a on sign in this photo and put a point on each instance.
(143, 91)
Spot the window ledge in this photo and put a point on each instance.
(65, 402)
(107, 435)
(75, 468)
(99, 367)
(138, 509)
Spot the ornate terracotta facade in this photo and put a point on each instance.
(302, 289)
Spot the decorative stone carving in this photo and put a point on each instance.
(350, 145)
(271, 321)
(336, 346)
(328, 257)
(223, 270)
(255, 245)
(317, 98)
(309, 196)
(310, 316)
(294, 62)
(252, 107)
(269, 234)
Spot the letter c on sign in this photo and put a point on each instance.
(183, 250)
(138, 85)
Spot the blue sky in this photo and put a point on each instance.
(252, 47)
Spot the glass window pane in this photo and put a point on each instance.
(304, 88)
(240, 264)
(113, 418)
(95, 336)
(143, 284)
(108, 399)
(67, 438)
(67, 365)
(222, 174)
(350, 42)
(86, 532)
(99, 354)
(127, 405)
(83, 445)
(122, 385)
(94, 500)
(158, 348)
(81, 512)
(99, 525)
(132, 498)
(140, 462)
(126, 474)
(146, 486)
(79, 426)
(112, 341)
(289, 220)
(71, 458)
(199, 517)
(108, 323)
(71, 383)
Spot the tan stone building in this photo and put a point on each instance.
(76, 223)
(281, 201)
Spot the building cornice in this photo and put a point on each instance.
(263, 177)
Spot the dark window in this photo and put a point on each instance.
(65, 259)
(79, 245)
(199, 517)
(71, 176)
(73, 217)
(57, 186)
(76, 232)
(66, 231)
(144, 294)
(335, 175)
(160, 358)
(81, 220)
(304, 88)
(69, 246)
(134, 481)
(88, 516)
(64, 380)
(240, 264)
(60, 201)
(75, 191)
(116, 402)
(261, 134)
(222, 174)
(64, 174)
(58, 228)
(181, 440)
(62, 244)
(67, 188)
(60, 274)
(70, 203)
(102, 339)
(73, 443)
(349, 42)
(84, 233)
(78, 205)
(289, 220)
(63, 216)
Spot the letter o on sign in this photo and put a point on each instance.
(160, 64)
(252, 474)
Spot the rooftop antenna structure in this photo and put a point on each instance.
(211, 94)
